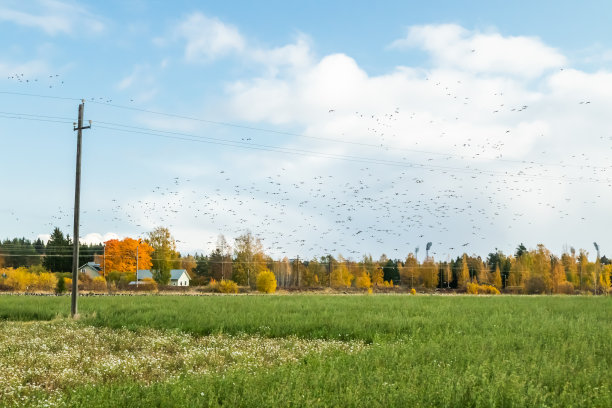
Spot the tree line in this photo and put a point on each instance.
(526, 271)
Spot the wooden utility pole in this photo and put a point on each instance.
(77, 203)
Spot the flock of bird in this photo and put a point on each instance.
(458, 198)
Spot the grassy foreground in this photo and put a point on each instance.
(287, 350)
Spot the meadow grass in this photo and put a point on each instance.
(421, 350)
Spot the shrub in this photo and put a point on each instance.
(413, 291)
(199, 281)
(45, 281)
(535, 284)
(147, 284)
(98, 284)
(226, 286)
(566, 287)
(388, 284)
(266, 281)
(474, 288)
(61, 286)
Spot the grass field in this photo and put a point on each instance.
(307, 350)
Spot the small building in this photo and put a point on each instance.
(91, 269)
(178, 277)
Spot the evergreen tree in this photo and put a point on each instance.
(58, 252)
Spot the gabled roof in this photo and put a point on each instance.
(92, 265)
(144, 273)
(175, 274)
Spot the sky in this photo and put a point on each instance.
(343, 128)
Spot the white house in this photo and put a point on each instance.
(179, 277)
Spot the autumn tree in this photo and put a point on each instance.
(557, 276)
(249, 259)
(312, 273)
(362, 278)
(483, 274)
(429, 273)
(121, 256)
(340, 276)
(165, 256)
(189, 264)
(373, 270)
(266, 281)
(583, 265)
(221, 259)
(497, 280)
(604, 278)
(464, 275)
(409, 272)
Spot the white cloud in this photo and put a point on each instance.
(208, 38)
(51, 16)
(295, 56)
(26, 69)
(97, 238)
(453, 46)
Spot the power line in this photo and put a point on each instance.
(301, 152)
(293, 134)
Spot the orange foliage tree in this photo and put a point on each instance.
(121, 255)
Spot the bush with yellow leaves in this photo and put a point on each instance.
(226, 286)
(474, 288)
(22, 280)
(98, 284)
(266, 281)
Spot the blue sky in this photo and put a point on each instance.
(341, 127)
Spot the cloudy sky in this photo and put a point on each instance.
(331, 127)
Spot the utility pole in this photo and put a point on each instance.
(137, 245)
(77, 204)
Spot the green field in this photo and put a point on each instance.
(307, 350)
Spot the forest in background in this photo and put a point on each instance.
(530, 271)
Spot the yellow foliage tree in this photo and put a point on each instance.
(483, 274)
(409, 272)
(362, 278)
(464, 274)
(340, 275)
(604, 278)
(363, 281)
(121, 255)
(429, 273)
(266, 281)
(497, 280)
(557, 277)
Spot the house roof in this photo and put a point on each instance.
(175, 274)
(92, 265)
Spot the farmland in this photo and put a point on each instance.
(306, 350)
